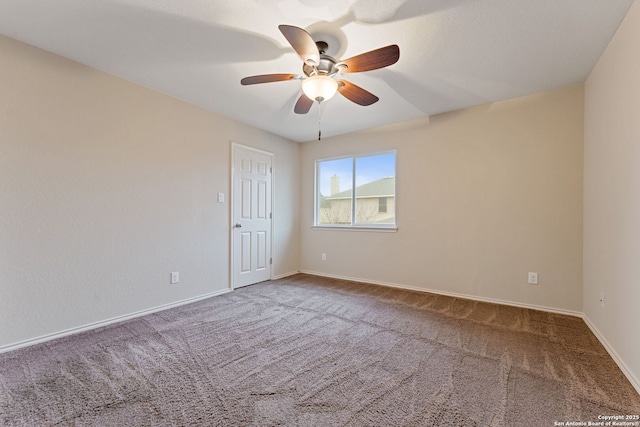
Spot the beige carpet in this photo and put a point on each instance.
(309, 351)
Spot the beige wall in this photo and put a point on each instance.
(484, 196)
(612, 196)
(106, 187)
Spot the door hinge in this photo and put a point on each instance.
(270, 170)
(270, 260)
(270, 215)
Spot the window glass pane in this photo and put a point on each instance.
(371, 203)
(334, 191)
(375, 189)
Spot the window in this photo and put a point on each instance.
(382, 204)
(356, 191)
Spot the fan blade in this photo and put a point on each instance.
(372, 60)
(356, 94)
(303, 105)
(266, 78)
(302, 43)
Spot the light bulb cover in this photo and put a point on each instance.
(319, 88)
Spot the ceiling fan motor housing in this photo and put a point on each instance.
(327, 65)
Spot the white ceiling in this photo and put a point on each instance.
(453, 53)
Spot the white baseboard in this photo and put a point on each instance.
(449, 294)
(282, 276)
(95, 325)
(633, 379)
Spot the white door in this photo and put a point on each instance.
(251, 216)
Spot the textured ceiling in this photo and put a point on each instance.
(453, 53)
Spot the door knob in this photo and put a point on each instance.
(238, 225)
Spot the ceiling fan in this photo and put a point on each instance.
(320, 70)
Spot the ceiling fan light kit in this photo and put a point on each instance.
(319, 87)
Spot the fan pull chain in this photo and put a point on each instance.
(319, 122)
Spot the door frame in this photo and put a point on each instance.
(234, 145)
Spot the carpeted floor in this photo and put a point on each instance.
(310, 351)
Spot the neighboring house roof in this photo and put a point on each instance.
(384, 187)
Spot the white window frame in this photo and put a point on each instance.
(355, 226)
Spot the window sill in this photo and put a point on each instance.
(389, 229)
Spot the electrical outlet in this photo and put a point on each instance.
(220, 197)
(533, 278)
(324, 256)
(175, 277)
(602, 300)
